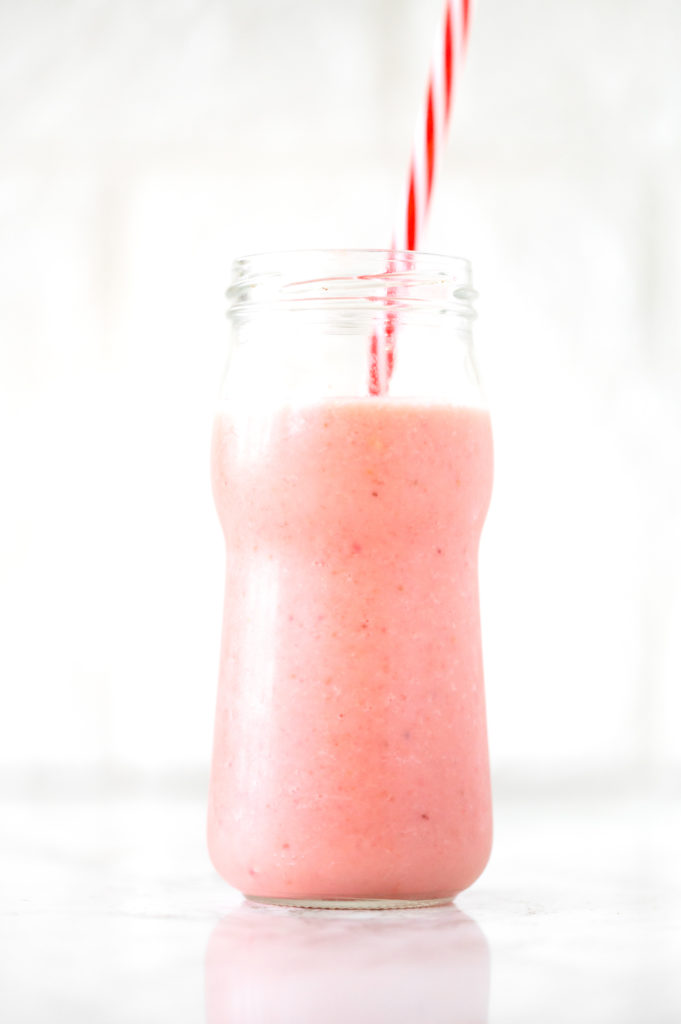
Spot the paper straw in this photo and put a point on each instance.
(426, 156)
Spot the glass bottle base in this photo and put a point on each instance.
(350, 904)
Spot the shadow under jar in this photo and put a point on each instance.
(350, 764)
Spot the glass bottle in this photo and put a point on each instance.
(350, 764)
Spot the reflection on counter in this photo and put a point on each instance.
(267, 964)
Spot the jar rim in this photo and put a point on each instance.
(358, 280)
(404, 255)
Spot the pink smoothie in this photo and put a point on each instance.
(350, 755)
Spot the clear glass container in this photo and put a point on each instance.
(350, 763)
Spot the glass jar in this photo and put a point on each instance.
(350, 763)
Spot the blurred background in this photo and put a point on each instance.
(144, 145)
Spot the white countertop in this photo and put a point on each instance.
(110, 912)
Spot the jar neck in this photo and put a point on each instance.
(363, 284)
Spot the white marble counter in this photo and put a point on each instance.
(110, 912)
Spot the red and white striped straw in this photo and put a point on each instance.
(426, 156)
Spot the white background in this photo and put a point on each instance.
(145, 144)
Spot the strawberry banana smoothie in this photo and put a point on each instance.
(350, 756)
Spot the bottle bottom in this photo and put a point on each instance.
(382, 903)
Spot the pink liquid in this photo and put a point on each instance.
(350, 755)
